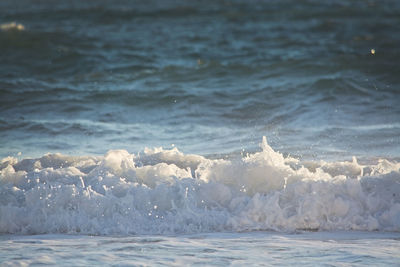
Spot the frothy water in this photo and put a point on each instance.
(86, 86)
(167, 192)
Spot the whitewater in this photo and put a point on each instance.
(164, 191)
(130, 133)
(164, 207)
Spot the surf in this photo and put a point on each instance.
(164, 191)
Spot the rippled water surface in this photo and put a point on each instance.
(91, 90)
(211, 77)
(259, 249)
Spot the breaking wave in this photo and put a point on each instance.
(163, 191)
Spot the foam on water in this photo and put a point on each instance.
(166, 191)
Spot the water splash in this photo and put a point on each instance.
(167, 191)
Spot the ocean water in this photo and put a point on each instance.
(217, 249)
(199, 132)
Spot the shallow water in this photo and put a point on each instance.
(218, 249)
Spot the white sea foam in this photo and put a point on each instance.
(166, 191)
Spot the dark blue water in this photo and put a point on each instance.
(320, 80)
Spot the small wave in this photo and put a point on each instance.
(162, 191)
(12, 26)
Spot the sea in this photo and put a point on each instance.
(212, 133)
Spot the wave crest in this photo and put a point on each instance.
(167, 191)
